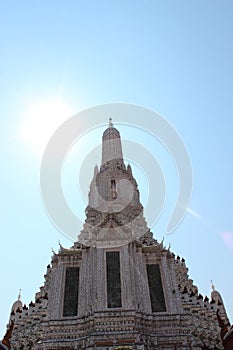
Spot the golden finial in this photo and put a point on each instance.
(110, 123)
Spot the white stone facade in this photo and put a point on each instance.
(188, 321)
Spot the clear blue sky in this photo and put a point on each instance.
(175, 57)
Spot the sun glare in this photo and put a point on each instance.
(40, 121)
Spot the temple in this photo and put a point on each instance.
(117, 287)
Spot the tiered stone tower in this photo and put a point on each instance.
(117, 287)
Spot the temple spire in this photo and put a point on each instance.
(111, 145)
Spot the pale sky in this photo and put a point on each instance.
(60, 57)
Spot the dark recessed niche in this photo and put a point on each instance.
(70, 307)
(156, 288)
(113, 279)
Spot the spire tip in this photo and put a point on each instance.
(212, 285)
(110, 122)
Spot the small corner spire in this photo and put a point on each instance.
(212, 285)
(110, 123)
